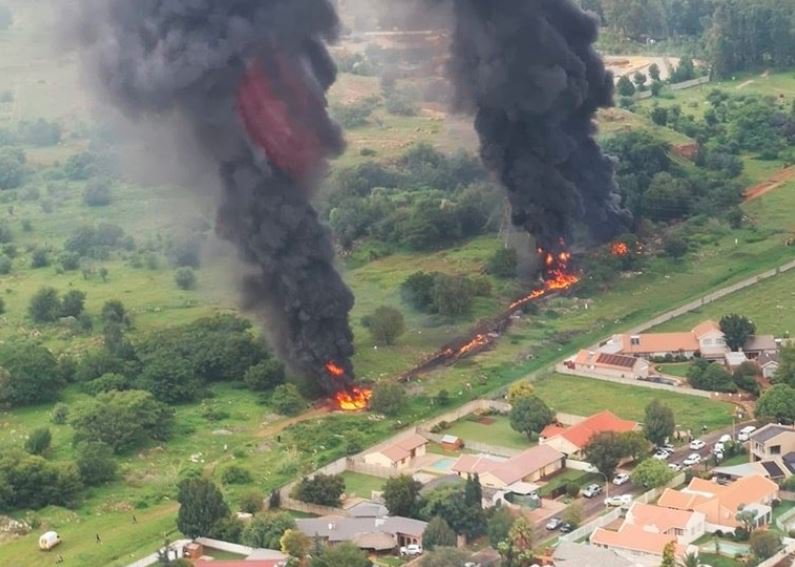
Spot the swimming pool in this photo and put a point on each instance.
(444, 464)
(727, 548)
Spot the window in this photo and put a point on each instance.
(634, 341)
(775, 450)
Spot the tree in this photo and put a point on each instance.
(252, 501)
(266, 530)
(659, 423)
(503, 263)
(201, 506)
(656, 88)
(73, 303)
(388, 398)
(438, 534)
(574, 514)
(517, 550)
(12, 169)
(28, 374)
(452, 295)
(640, 80)
(690, 560)
(675, 246)
(669, 555)
(185, 278)
(450, 503)
(519, 390)
(777, 404)
(402, 496)
(295, 544)
(113, 311)
(345, 553)
(765, 543)
(635, 444)
(605, 451)
(39, 440)
(417, 290)
(97, 194)
(30, 481)
(321, 489)
(744, 377)
(473, 492)
(746, 517)
(654, 72)
(737, 330)
(714, 377)
(385, 324)
(6, 264)
(265, 375)
(287, 400)
(499, 525)
(529, 415)
(169, 377)
(652, 473)
(236, 474)
(625, 87)
(95, 462)
(445, 557)
(40, 258)
(45, 305)
(659, 115)
(123, 420)
(786, 369)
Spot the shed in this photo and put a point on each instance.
(452, 443)
(48, 540)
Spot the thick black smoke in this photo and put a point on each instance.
(529, 70)
(161, 59)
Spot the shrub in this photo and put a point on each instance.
(60, 413)
(45, 305)
(235, 474)
(2, 306)
(40, 258)
(252, 501)
(95, 462)
(388, 398)
(572, 489)
(185, 278)
(97, 194)
(5, 265)
(287, 400)
(38, 441)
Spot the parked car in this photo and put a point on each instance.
(697, 445)
(554, 524)
(725, 438)
(623, 500)
(691, 460)
(669, 447)
(676, 467)
(567, 527)
(412, 550)
(592, 490)
(621, 478)
(745, 433)
(661, 455)
(718, 448)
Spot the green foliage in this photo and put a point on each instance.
(517, 550)
(73, 303)
(450, 503)
(529, 415)
(444, 557)
(252, 501)
(345, 553)
(12, 168)
(744, 377)
(713, 377)
(185, 278)
(97, 194)
(28, 374)
(265, 375)
(5, 265)
(236, 474)
(39, 132)
(402, 496)
(321, 489)
(504, 263)
(605, 451)
(30, 481)
(201, 506)
(39, 440)
(737, 329)
(624, 87)
(652, 473)
(499, 525)
(113, 311)
(400, 103)
(438, 534)
(45, 305)
(266, 530)
(123, 420)
(659, 423)
(385, 324)
(765, 543)
(574, 514)
(96, 462)
(356, 114)
(60, 413)
(675, 246)
(287, 400)
(388, 398)
(777, 404)
(40, 258)
(786, 370)
(669, 555)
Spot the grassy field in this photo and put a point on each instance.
(585, 396)
(361, 485)
(497, 433)
(719, 560)
(676, 369)
(571, 476)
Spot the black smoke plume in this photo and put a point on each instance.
(249, 78)
(529, 71)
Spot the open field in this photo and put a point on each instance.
(497, 433)
(584, 396)
(361, 485)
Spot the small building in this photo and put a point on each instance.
(771, 442)
(734, 360)
(768, 469)
(610, 365)
(685, 525)
(377, 534)
(528, 466)
(768, 364)
(705, 339)
(398, 454)
(571, 441)
(452, 443)
(759, 345)
(638, 545)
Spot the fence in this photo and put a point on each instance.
(472, 407)
(783, 522)
(689, 84)
(788, 551)
(475, 446)
(563, 369)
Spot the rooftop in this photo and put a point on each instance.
(635, 538)
(401, 449)
(660, 518)
(580, 433)
(512, 470)
(341, 528)
(605, 359)
(770, 431)
(569, 554)
(761, 343)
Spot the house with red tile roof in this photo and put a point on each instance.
(572, 440)
(720, 504)
(398, 454)
(528, 466)
(611, 365)
(640, 546)
(685, 525)
(706, 339)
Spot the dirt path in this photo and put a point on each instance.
(741, 86)
(277, 427)
(770, 184)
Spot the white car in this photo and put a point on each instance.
(661, 455)
(697, 445)
(592, 490)
(623, 501)
(621, 478)
(412, 550)
(745, 433)
(718, 448)
(725, 438)
(693, 459)
(676, 467)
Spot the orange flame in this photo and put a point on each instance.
(557, 277)
(354, 399)
(619, 249)
(335, 370)
(477, 342)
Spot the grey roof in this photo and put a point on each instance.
(261, 553)
(773, 469)
(569, 554)
(367, 510)
(767, 358)
(761, 343)
(741, 470)
(340, 528)
(770, 431)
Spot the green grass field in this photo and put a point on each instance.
(497, 433)
(361, 485)
(585, 396)
(676, 369)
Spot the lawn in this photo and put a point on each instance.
(361, 485)
(570, 476)
(718, 560)
(678, 369)
(497, 433)
(585, 396)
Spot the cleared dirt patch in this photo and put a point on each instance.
(770, 184)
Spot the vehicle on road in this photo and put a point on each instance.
(567, 527)
(412, 550)
(676, 467)
(725, 438)
(697, 445)
(554, 524)
(661, 455)
(621, 478)
(691, 460)
(624, 500)
(669, 447)
(592, 490)
(745, 433)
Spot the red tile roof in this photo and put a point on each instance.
(579, 434)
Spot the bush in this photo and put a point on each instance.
(45, 305)
(235, 474)
(388, 398)
(503, 263)
(12, 168)
(185, 278)
(5, 265)
(265, 375)
(252, 501)
(95, 462)
(572, 489)
(97, 194)
(400, 103)
(385, 324)
(40, 258)
(287, 400)
(73, 303)
(60, 413)
(38, 441)
(322, 489)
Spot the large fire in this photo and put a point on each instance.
(619, 249)
(352, 398)
(557, 277)
(335, 370)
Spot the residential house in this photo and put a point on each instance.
(768, 364)
(638, 545)
(203, 551)
(720, 504)
(768, 469)
(528, 466)
(705, 339)
(572, 440)
(375, 533)
(771, 442)
(610, 365)
(760, 345)
(733, 360)
(685, 525)
(398, 454)
(569, 554)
